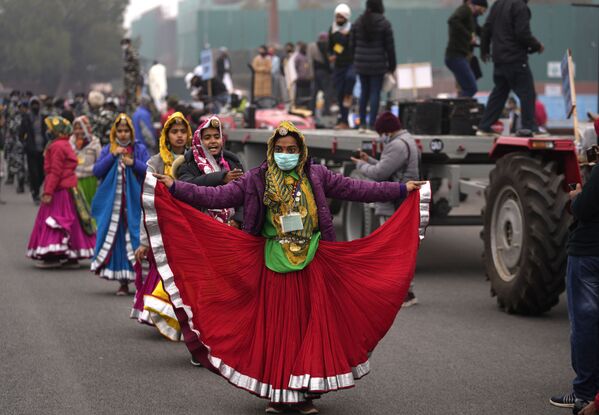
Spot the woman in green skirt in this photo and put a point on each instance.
(87, 148)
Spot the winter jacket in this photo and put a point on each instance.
(584, 233)
(461, 28)
(318, 55)
(399, 163)
(262, 78)
(60, 163)
(107, 159)
(340, 46)
(507, 33)
(377, 55)
(27, 133)
(249, 192)
(86, 157)
(144, 130)
(190, 172)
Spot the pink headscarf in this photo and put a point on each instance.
(205, 161)
(208, 164)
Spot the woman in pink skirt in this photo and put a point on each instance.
(63, 232)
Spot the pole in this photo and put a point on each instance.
(573, 98)
(592, 5)
(273, 23)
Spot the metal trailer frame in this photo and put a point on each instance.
(463, 161)
(525, 181)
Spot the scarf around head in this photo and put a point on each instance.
(58, 126)
(208, 164)
(87, 131)
(166, 154)
(279, 195)
(113, 142)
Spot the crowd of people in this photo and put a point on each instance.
(362, 51)
(101, 199)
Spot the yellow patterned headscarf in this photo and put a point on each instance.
(279, 197)
(120, 118)
(165, 152)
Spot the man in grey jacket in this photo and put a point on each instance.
(399, 162)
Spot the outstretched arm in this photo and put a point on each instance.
(338, 186)
(220, 197)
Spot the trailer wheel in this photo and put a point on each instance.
(358, 218)
(525, 232)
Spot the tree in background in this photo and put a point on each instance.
(57, 45)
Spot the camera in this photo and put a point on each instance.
(355, 154)
(592, 154)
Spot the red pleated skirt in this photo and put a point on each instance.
(284, 337)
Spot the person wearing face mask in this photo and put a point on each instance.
(262, 66)
(33, 134)
(462, 37)
(152, 305)
(87, 147)
(341, 56)
(284, 312)
(116, 207)
(399, 162)
(62, 234)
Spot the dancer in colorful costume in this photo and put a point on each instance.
(285, 312)
(209, 164)
(116, 207)
(63, 232)
(152, 305)
(87, 147)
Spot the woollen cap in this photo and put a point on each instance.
(387, 123)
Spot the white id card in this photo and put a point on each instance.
(291, 222)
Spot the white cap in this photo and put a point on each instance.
(95, 99)
(344, 10)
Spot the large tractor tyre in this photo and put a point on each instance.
(525, 231)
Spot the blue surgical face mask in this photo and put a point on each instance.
(285, 161)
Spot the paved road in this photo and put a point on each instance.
(69, 347)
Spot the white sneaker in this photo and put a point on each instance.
(483, 133)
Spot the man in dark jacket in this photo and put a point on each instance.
(506, 34)
(321, 67)
(374, 56)
(223, 69)
(462, 36)
(342, 57)
(582, 287)
(33, 134)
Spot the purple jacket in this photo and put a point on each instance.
(249, 192)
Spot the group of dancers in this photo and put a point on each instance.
(243, 266)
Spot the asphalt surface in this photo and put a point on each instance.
(68, 346)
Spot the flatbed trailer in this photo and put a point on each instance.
(525, 181)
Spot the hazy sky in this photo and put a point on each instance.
(137, 7)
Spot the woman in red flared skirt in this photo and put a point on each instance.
(282, 310)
